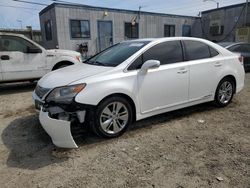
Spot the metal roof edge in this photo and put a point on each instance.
(53, 5)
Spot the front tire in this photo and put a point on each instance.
(224, 92)
(112, 117)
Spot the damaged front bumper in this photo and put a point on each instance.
(58, 130)
(64, 121)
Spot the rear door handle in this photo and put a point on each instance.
(5, 57)
(218, 64)
(182, 71)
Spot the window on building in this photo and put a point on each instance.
(186, 30)
(166, 53)
(131, 30)
(216, 30)
(48, 30)
(80, 28)
(196, 50)
(169, 30)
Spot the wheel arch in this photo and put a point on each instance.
(232, 77)
(60, 63)
(128, 98)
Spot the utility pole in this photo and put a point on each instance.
(246, 12)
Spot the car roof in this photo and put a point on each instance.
(166, 39)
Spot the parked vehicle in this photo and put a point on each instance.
(23, 59)
(133, 80)
(239, 47)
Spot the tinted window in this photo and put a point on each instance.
(80, 28)
(116, 54)
(136, 64)
(196, 50)
(213, 52)
(13, 43)
(166, 53)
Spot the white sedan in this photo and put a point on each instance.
(133, 80)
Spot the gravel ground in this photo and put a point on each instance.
(201, 146)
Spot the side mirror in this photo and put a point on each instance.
(33, 50)
(150, 64)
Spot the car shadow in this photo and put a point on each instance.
(31, 148)
(89, 138)
(12, 88)
(29, 145)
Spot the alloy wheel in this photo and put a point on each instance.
(225, 92)
(114, 117)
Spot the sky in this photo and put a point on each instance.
(28, 14)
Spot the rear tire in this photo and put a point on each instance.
(112, 117)
(224, 92)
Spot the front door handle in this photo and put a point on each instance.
(5, 57)
(218, 64)
(182, 71)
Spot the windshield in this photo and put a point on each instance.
(116, 54)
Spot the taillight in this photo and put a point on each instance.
(241, 59)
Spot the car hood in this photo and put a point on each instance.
(67, 75)
(63, 52)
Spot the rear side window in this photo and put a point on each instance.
(195, 50)
(166, 53)
(213, 52)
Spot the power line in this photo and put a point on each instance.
(10, 6)
(31, 2)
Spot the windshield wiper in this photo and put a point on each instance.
(97, 63)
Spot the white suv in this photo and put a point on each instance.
(23, 59)
(135, 80)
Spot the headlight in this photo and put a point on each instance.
(65, 94)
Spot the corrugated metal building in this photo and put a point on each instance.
(66, 25)
(220, 24)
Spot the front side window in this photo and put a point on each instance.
(131, 30)
(80, 28)
(166, 52)
(196, 50)
(48, 30)
(116, 54)
(169, 30)
(15, 44)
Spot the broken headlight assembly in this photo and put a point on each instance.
(64, 94)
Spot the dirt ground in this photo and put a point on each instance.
(201, 146)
